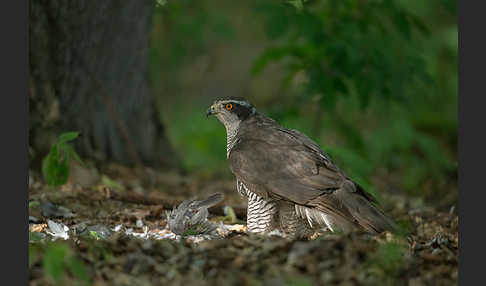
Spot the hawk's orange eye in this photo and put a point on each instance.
(229, 106)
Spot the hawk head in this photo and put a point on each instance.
(231, 111)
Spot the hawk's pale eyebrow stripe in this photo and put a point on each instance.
(242, 103)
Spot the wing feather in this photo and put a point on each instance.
(283, 163)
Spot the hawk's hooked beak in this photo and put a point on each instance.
(210, 111)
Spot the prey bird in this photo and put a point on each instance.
(191, 216)
(290, 183)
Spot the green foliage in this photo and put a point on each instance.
(33, 204)
(191, 26)
(299, 281)
(53, 261)
(298, 4)
(344, 45)
(404, 227)
(94, 235)
(59, 262)
(33, 254)
(56, 165)
(388, 261)
(373, 82)
(202, 145)
(352, 56)
(230, 214)
(78, 270)
(105, 180)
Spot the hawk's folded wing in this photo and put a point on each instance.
(283, 163)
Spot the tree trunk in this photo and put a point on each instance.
(89, 71)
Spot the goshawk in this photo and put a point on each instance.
(290, 183)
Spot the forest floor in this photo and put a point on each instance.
(112, 230)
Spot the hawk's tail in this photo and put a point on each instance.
(347, 211)
(367, 215)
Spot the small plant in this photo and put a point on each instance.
(55, 166)
(60, 263)
(33, 204)
(388, 261)
(299, 281)
(94, 235)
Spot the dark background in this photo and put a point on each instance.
(373, 82)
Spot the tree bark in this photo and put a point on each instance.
(89, 72)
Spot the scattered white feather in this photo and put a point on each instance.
(117, 228)
(57, 230)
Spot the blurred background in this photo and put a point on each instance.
(374, 83)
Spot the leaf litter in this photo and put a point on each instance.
(125, 243)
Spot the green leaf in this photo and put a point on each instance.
(54, 261)
(94, 234)
(33, 204)
(419, 24)
(33, 253)
(340, 86)
(277, 24)
(230, 213)
(73, 153)
(63, 154)
(401, 22)
(389, 258)
(299, 281)
(297, 4)
(68, 136)
(54, 170)
(105, 180)
(328, 101)
(78, 270)
(56, 165)
(270, 55)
